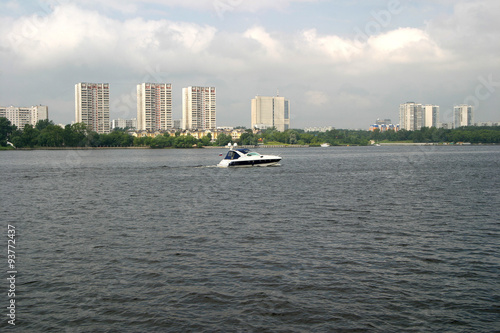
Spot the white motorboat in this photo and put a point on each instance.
(324, 145)
(244, 157)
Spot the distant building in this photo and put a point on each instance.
(431, 115)
(411, 116)
(198, 108)
(445, 125)
(124, 123)
(487, 123)
(177, 123)
(463, 115)
(382, 127)
(414, 116)
(383, 121)
(235, 133)
(21, 116)
(154, 106)
(319, 129)
(270, 112)
(92, 106)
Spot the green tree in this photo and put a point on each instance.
(248, 138)
(292, 138)
(205, 141)
(93, 139)
(6, 129)
(41, 124)
(185, 141)
(223, 139)
(75, 135)
(29, 136)
(376, 135)
(162, 141)
(116, 139)
(51, 136)
(143, 141)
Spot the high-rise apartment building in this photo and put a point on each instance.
(431, 115)
(413, 116)
(92, 106)
(410, 116)
(269, 112)
(198, 108)
(154, 106)
(463, 115)
(21, 116)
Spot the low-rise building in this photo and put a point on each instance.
(124, 123)
(198, 134)
(21, 116)
(384, 127)
(319, 129)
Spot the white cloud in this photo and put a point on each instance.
(337, 48)
(70, 33)
(52, 51)
(472, 29)
(219, 7)
(406, 45)
(270, 45)
(403, 45)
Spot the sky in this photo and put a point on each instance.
(340, 63)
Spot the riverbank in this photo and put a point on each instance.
(431, 144)
(79, 148)
(385, 144)
(147, 147)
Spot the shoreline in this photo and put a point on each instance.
(133, 147)
(386, 144)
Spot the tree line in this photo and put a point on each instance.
(335, 137)
(472, 134)
(46, 134)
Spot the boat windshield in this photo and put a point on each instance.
(232, 155)
(244, 150)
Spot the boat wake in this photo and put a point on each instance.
(188, 166)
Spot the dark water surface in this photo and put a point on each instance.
(357, 239)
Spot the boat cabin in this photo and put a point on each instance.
(237, 153)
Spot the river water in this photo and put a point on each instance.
(352, 239)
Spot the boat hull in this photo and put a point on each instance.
(261, 162)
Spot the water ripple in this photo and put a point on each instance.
(345, 239)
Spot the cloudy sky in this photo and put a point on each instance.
(341, 63)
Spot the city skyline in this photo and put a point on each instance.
(412, 116)
(341, 63)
